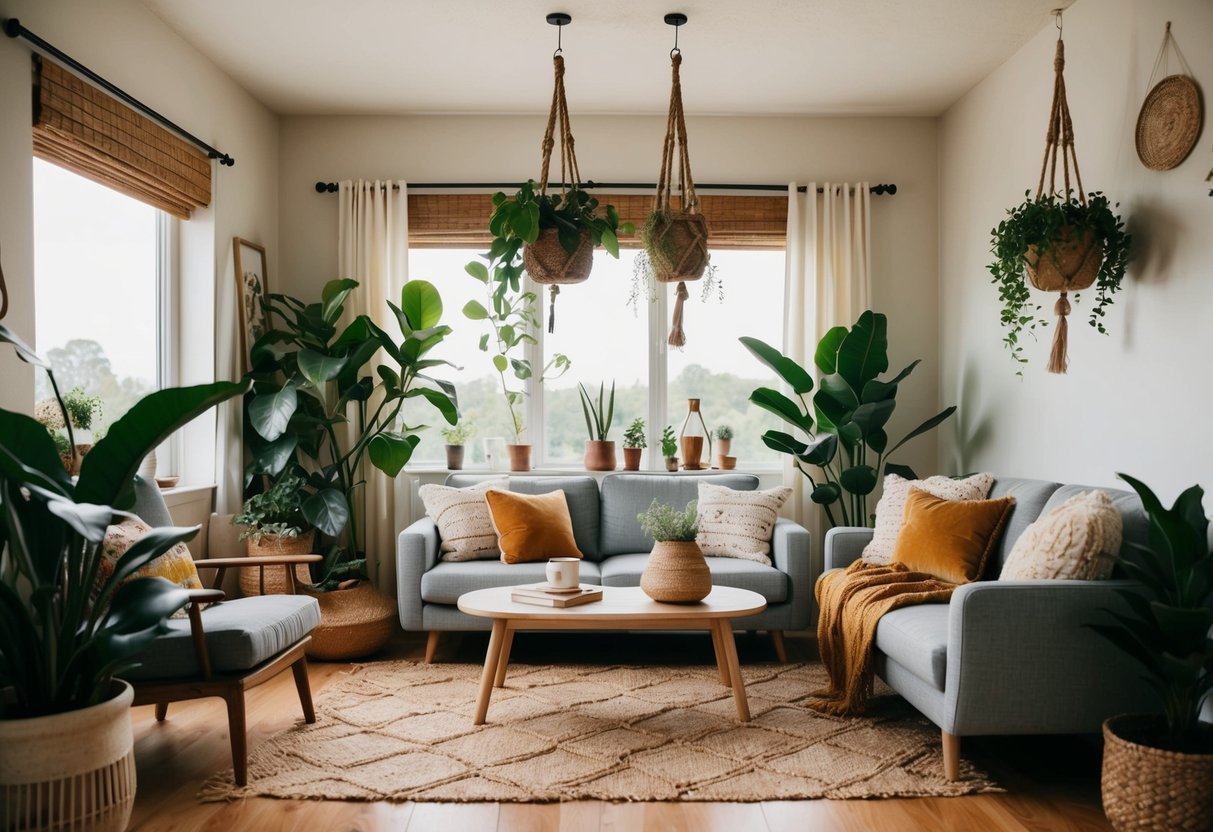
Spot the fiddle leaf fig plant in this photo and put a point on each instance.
(843, 426)
(1043, 222)
(321, 401)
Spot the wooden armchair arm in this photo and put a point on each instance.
(288, 562)
(206, 596)
(198, 597)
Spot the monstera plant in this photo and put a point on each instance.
(323, 404)
(843, 427)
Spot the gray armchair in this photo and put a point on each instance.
(1009, 657)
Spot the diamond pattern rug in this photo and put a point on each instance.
(403, 731)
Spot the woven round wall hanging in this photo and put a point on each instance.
(1172, 115)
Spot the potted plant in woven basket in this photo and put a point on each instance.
(273, 525)
(669, 448)
(1064, 239)
(675, 571)
(1158, 768)
(634, 441)
(70, 623)
(599, 451)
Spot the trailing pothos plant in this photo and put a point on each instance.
(844, 425)
(1040, 222)
(322, 403)
(66, 627)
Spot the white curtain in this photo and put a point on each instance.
(828, 283)
(372, 248)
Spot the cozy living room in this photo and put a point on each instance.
(605, 416)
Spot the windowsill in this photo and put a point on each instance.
(181, 494)
(556, 471)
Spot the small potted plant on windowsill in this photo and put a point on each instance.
(83, 411)
(675, 571)
(634, 441)
(599, 451)
(724, 444)
(456, 437)
(273, 525)
(669, 448)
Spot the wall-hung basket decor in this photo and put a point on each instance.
(1172, 116)
(1064, 239)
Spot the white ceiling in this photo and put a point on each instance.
(822, 57)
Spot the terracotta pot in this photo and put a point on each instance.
(454, 457)
(631, 458)
(1070, 265)
(671, 463)
(86, 756)
(276, 545)
(547, 262)
(723, 446)
(676, 573)
(520, 457)
(599, 455)
(726, 463)
(1147, 789)
(354, 622)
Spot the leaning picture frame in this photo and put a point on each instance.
(252, 286)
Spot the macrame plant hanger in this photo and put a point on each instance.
(546, 260)
(1059, 140)
(676, 239)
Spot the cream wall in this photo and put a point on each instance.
(126, 43)
(625, 149)
(1137, 400)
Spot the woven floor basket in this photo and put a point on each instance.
(1169, 123)
(354, 622)
(1069, 265)
(1152, 790)
(677, 244)
(547, 262)
(275, 576)
(676, 573)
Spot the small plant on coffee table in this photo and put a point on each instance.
(663, 522)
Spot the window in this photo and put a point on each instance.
(607, 340)
(101, 287)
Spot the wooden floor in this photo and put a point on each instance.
(1052, 783)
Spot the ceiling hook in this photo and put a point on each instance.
(1057, 21)
(559, 20)
(675, 19)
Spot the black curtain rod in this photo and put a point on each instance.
(331, 187)
(14, 29)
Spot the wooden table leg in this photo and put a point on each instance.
(502, 663)
(722, 663)
(730, 652)
(490, 670)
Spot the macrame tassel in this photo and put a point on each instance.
(553, 290)
(1058, 359)
(678, 338)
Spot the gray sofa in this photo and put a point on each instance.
(615, 550)
(1010, 657)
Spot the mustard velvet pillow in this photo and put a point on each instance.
(532, 527)
(950, 539)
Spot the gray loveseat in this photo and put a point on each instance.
(1010, 657)
(614, 549)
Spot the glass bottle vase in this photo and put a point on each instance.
(694, 435)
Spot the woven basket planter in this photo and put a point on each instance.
(1070, 265)
(547, 262)
(354, 622)
(676, 573)
(74, 770)
(677, 245)
(1148, 789)
(274, 545)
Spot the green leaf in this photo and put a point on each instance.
(28, 441)
(797, 377)
(873, 416)
(421, 303)
(858, 479)
(836, 399)
(610, 242)
(875, 391)
(864, 353)
(877, 440)
(783, 443)
(826, 357)
(903, 471)
(475, 311)
(390, 452)
(821, 452)
(319, 368)
(332, 298)
(24, 351)
(925, 426)
(775, 402)
(501, 363)
(273, 457)
(477, 270)
(439, 399)
(825, 493)
(327, 510)
(270, 413)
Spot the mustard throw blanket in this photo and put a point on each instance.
(851, 603)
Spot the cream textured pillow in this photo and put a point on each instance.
(738, 524)
(462, 515)
(890, 511)
(1077, 540)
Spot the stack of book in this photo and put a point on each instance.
(544, 595)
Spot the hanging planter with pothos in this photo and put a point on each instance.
(1063, 239)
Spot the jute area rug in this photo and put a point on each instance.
(403, 731)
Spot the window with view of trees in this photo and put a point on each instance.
(98, 288)
(607, 340)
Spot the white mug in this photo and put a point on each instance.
(564, 573)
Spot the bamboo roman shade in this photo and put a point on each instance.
(461, 220)
(79, 127)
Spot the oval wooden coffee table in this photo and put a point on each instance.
(621, 608)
